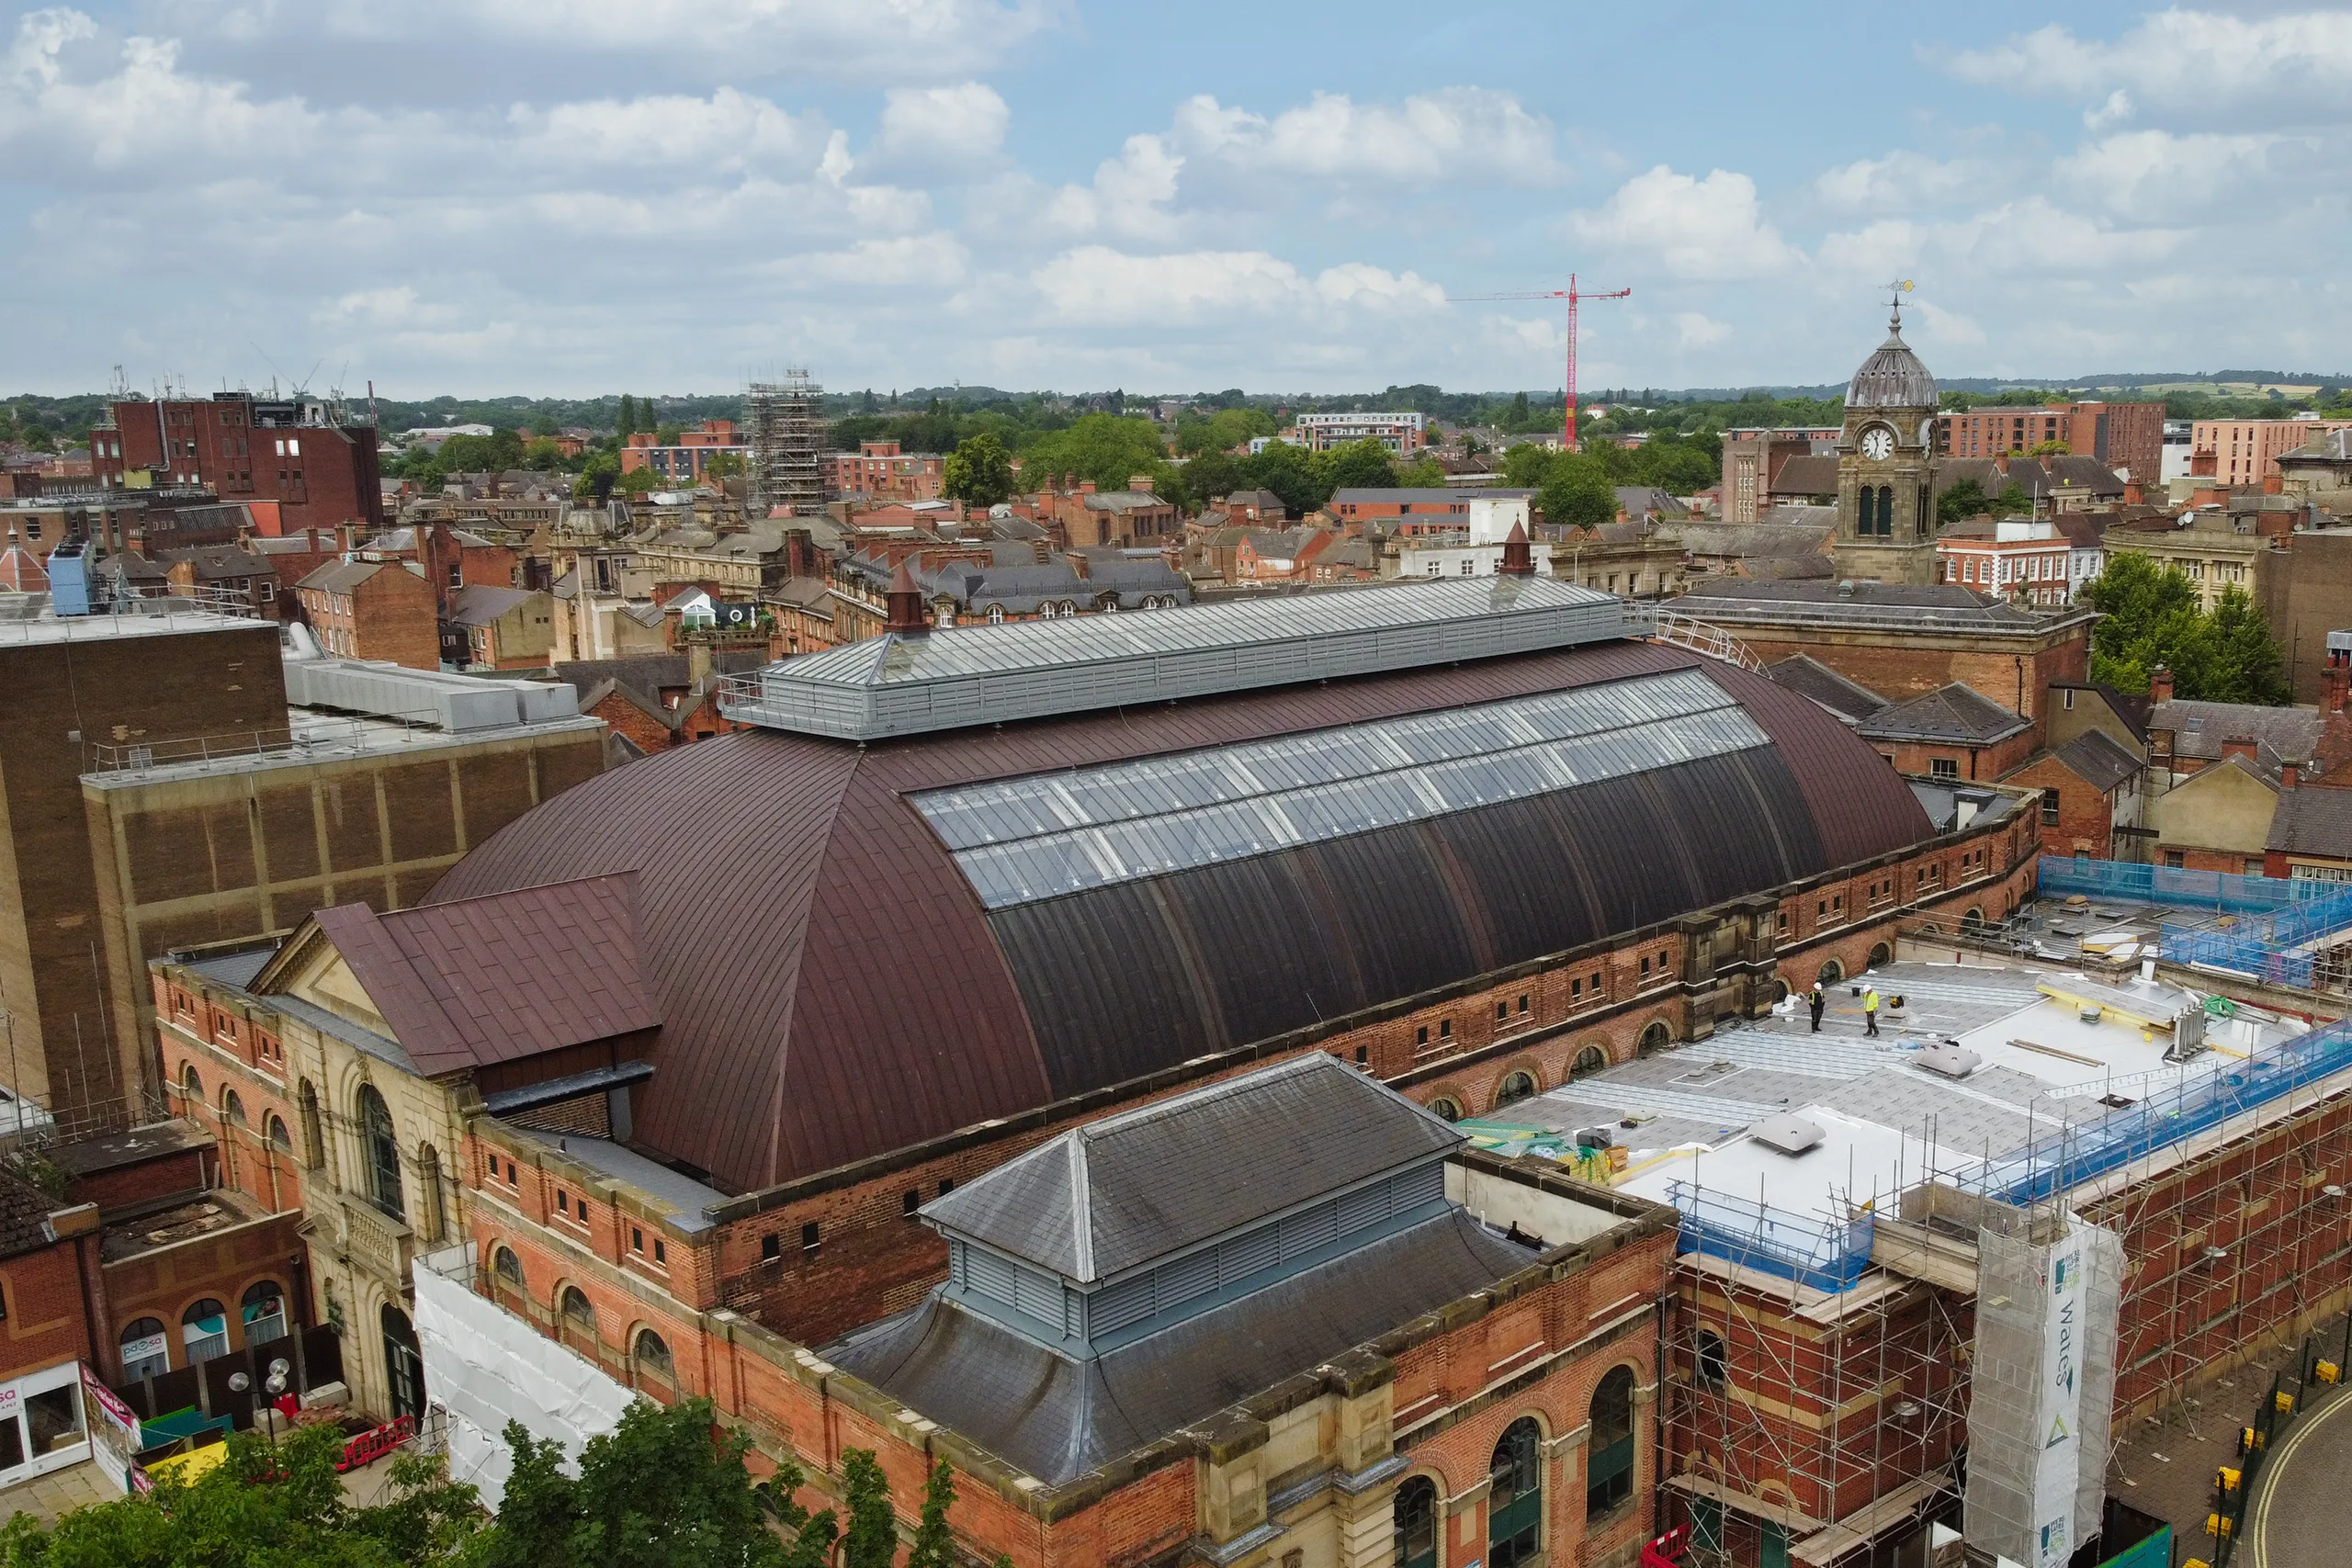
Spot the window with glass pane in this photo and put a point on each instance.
(264, 1311)
(1515, 1496)
(1416, 1524)
(204, 1329)
(1609, 1450)
(146, 1350)
(383, 1152)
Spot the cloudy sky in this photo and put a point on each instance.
(672, 195)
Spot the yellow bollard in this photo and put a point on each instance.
(2286, 1404)
(2226, 1478)
(2325, 1372)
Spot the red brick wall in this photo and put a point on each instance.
(2085, 816)
(394, 616)
(46, 1323)
(1980, 765)
(335, 478)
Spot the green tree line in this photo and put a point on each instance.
(662, 1490)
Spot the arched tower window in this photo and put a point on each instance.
(1515, 1498)
(1416, 1524)
(1609, 1449)
(383, 1152)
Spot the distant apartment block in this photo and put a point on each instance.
(1400, 433)
(1754, 458)
(2240, 452)
(2128, 436)
(684, 462)
(302, 453)
(880, 471)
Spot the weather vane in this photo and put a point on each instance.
(1896, 291)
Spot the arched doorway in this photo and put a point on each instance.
(403, 1363)
(1515, 1496)
(1656, 1038)
(1609, 1449)
(1830, 971)
(1589, 1060)
(1516, 1087)
(1880, 954)
(1417, 1523)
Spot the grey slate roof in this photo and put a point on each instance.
(1814, 473)
(478, 607)
(1802, 673)
(1057, 1418)
(1927, 607)
(1954, 713)
(2199, 728)
(1109, 1195)
(1410, 495)
(2098, 760)
(2328, 446)
(2313, 822)
(343, 576)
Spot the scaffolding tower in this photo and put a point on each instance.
(787, 420)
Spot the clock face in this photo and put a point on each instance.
(1878, 444)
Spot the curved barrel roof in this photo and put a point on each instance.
(855, 948)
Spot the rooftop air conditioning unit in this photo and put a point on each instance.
(1789, 1133)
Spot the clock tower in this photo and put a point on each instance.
(1886, 467)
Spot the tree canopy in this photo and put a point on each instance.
(264, 1507)
(2152, 617)
(979, 471)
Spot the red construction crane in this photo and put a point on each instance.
(1573, 296)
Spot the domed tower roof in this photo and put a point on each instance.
(1893, 377)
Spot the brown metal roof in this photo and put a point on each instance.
(495, 978)
(831, 989)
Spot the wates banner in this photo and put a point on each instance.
(2058, 1408)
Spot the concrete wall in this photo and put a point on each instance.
(185, 861)
(65, 1044)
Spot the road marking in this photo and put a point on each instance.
(2278, 1468)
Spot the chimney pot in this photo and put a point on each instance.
(2160, 683)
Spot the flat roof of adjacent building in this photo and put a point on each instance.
(27, 618)
(1886, 1122)
(310, 737)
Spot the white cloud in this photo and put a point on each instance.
(1463, 133)
(1696, 331)
(1900, 182)
(726, 131)
(1098, 285)
(949, 126)
(2296, 65)
(1710, 229)
(1131, 194)
(868, 40)
(935, 261)
(2156, 174)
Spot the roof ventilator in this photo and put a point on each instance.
(1949, 1060)
(1789, 1133)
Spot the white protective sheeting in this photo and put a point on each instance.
(485, 1367)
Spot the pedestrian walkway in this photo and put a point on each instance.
(51, 1497)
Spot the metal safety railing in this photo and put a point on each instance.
(1825, 1253)
(2271, 921)
(1702, 638)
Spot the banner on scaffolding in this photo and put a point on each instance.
(2041, 1387)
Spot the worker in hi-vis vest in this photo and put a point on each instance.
(1870, 1009)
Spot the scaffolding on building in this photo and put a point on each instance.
(1816, 1375)
(787, 440)
(1820, 1370)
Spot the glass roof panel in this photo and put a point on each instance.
(1026, 839)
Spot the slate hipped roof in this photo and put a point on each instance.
(2200, 728)
(1802, 673)
(492, 980)
(1956, 714)
(2313, 822)
(479, 606)
(2094, 758)
(1104, 1196)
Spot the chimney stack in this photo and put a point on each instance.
(2288, 773)
(905, 603)
(2335, 684)
(697, 661)
(2160, 683)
